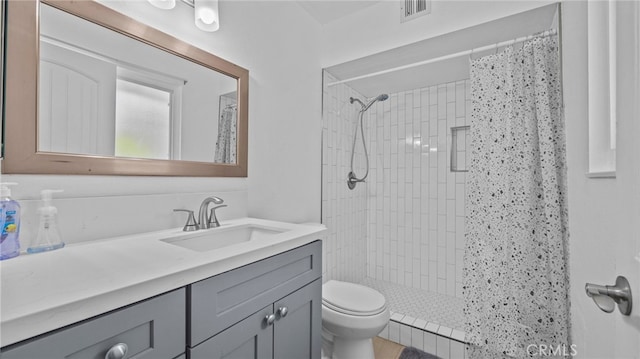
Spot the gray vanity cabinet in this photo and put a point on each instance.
(267, 309)
(151, 329)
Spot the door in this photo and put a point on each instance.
(297, 330)
(604, 213)
(249, 338)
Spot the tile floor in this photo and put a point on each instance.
(425, 320)
(440, 309)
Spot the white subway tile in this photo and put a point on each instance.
(430, 343)
(460, 99)
(451, 91)
(397, 317)
(433, 276)
(451, 249)
(458, 335)
(408, 320)
(417, 338)
(420, 323)
(394, 332)
(385, 332)
(442, 286)
(442, 348)
(405, 335)
(459, 264)
(456, 350)
(451, 280)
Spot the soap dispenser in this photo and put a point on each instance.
(48, 237)
(9, 223)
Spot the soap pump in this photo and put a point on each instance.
(9, 223)
(48, 237)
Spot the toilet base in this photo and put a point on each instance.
(352, 348)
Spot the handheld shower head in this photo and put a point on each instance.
(381, 97)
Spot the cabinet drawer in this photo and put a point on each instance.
(221, 301)
(151, 329)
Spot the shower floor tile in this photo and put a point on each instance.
(431, 307)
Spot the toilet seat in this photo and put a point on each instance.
(352, 299)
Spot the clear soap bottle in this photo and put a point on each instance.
(9, 223)
(48, 237)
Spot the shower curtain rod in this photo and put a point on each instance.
(447, 57)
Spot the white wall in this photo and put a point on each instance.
(284, 95)
(284, 132)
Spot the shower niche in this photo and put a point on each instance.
(459, 145)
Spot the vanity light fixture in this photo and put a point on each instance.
(206, 13)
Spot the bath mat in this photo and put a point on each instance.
(413, 353)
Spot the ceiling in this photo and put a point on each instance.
(326, 11)
(454, 69)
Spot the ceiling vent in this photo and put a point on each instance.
(411, 9)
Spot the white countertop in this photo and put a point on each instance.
(45, 291)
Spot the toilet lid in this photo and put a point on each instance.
(353, 299)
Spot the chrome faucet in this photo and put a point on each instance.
(209, 221)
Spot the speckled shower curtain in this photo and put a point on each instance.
(516, 282)
(226, 144)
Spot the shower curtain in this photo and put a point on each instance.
(516, 283)
(226, 144)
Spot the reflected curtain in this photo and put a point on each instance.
(516, 283)
(226, 144)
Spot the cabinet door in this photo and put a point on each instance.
(219, 302)
(154, 328)
(251, 338)
(297, 335)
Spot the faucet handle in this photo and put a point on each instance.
(213, 220)
(191, 224)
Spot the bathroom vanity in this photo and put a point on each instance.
(257, 296)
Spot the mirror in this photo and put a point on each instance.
(115, 96)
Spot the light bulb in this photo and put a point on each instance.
(207, 16)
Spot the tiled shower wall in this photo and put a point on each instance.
(405, 225)
(344, 212)
(416, 206)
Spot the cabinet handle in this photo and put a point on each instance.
(270, 319)
(283, 311)
(118, 351)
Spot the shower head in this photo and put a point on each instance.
(381, 97)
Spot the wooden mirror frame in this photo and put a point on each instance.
(21, 154)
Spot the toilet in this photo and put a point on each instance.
(352, 315)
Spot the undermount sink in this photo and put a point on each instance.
(215, 238)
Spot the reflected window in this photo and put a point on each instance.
(143, 121)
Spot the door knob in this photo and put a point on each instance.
(606, 297)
